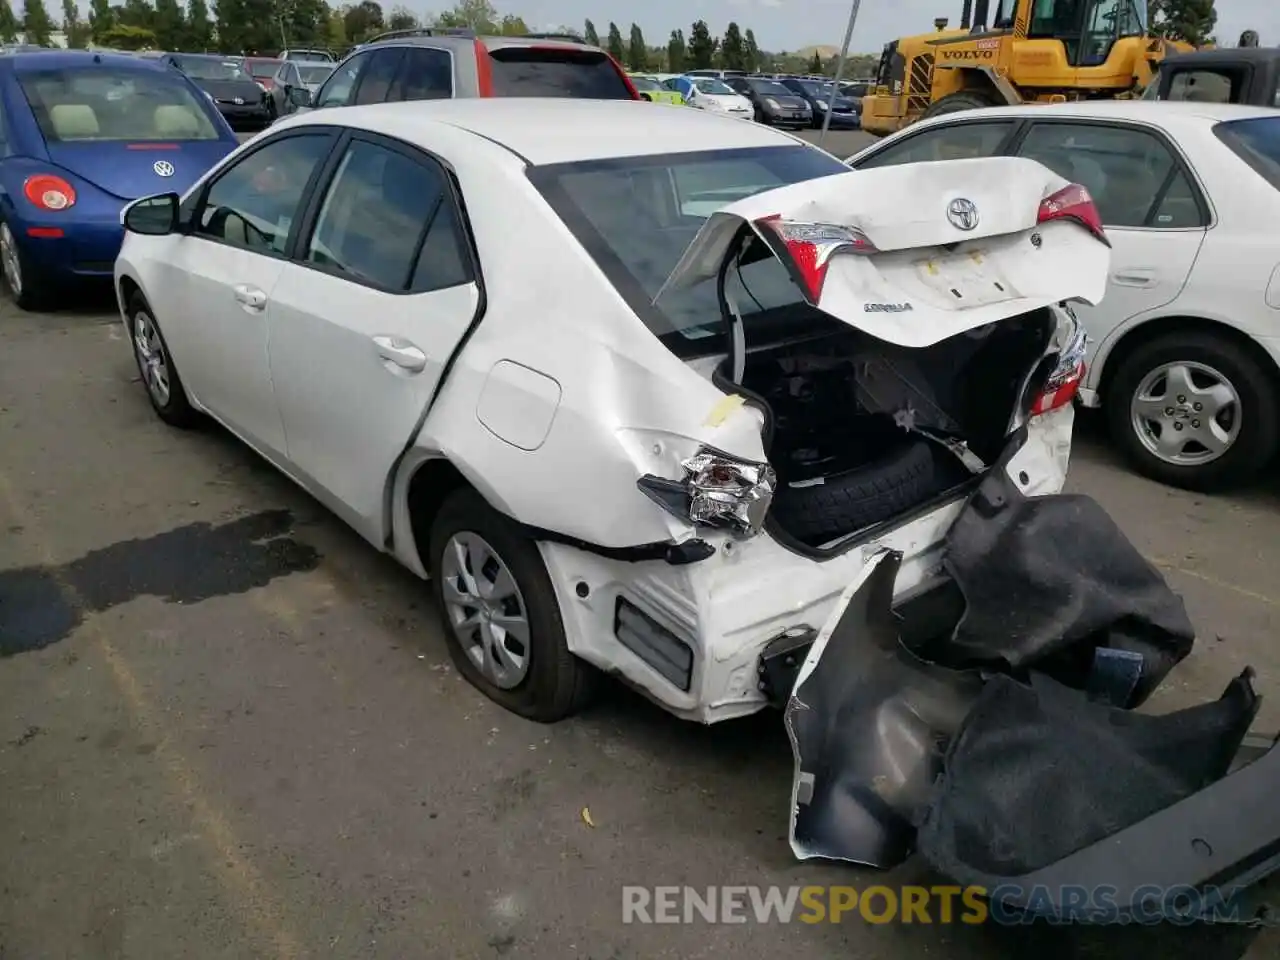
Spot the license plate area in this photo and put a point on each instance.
(967, 279)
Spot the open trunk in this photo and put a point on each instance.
(860, 430)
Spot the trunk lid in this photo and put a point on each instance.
(917, 253)
(228, 90)
(132, 170)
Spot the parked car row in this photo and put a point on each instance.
(780, 101)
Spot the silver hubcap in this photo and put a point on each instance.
(9, 261)
(151, 358)
(486, 609)
(1186, 413)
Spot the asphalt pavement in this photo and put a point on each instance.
(230, 729)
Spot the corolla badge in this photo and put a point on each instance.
(962, 213)
(163, 168)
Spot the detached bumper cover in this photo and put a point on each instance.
(1010, 745)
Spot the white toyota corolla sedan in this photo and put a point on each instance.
(1185, 347)
(639, 391)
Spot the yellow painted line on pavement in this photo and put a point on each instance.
(243, 883)
(1214, 581)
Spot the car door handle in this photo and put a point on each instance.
(400, 352)
(250, 297)
(1135, 278)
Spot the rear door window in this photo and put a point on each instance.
(1126, 170)
(426, 74)
(554, 72)
(1207, 86)
(954, 141)
(1257, 143)
(375, 85)
(337, 92)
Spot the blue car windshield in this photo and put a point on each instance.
(100, 103)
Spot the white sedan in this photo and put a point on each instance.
(1185, 352)
(587, 366)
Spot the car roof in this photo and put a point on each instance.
(427, 39)
(561, 130)
(1160, 113)
(1227, 55)
(57, 59)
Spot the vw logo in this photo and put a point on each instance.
(163, 168)
(962, 213)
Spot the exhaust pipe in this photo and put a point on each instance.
(966, 14)
(940, 23)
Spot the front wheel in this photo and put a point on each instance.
(500, 614)
(155, 365)
(1195, 410)
(954, 103)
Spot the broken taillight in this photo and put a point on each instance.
(1063, 383)
(1073, 202)
(809, 248)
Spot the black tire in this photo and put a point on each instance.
(908, 476)
(557, 684)
(34, 294)
(954, 103)
(1256, 385)
(175, 409)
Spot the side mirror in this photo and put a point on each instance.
(299, 96)
(155, 216)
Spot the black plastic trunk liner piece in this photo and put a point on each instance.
(1038, 771)
(1048, 581)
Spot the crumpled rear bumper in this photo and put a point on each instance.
(1009, 754)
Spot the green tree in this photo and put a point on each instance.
(815, 63)
(733, 54)
(135, 13)
(590, 35)
(124, 37)
(169, 24)
(9, 25)
(199, 26)
(335, 33)
(614, 43)
(77, 32)
(36, 23)
(513, 26)
(363, 20)
(477, 15)
(401, 19)
(675, 52)
(702, 46)
(305, 22)
(101, 19)
(750, 51)
(637, 50)
(1189, 20)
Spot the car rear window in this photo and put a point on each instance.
(101, 103)
(211, 68)
(636, 215)
(317, 73)
(1257, 143)
(550, 72)
(259, 69)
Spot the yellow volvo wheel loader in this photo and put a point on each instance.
(1033, 51)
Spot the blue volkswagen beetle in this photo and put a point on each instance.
(82, 134)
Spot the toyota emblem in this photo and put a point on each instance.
(239, 101)
(163, 168)
(962, 213)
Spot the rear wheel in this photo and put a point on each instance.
(20, 277)
(500, 614)
(1194, 410)
(954, 103)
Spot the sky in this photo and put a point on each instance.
(791, 24)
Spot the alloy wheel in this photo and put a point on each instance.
(9, 261)
(1186, 413)
(485, 609)
(153, 361)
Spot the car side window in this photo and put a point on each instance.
(254, 202)
(388, 220)
(375, 85)
(338, 88)
(426, 74)
(1179, 208)
(1206, 86)
(1123, 168)
(953, 141)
